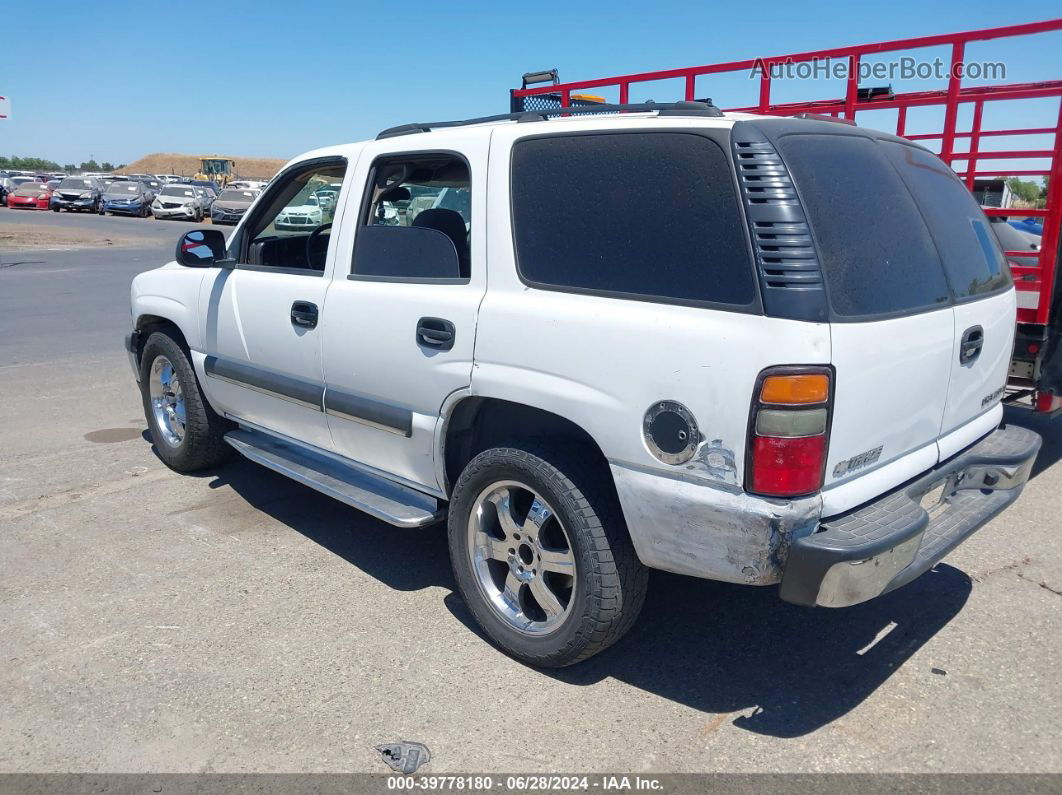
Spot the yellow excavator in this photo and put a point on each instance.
(220, 169)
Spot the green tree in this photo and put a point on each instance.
(105, 166)
(1027, 191)
(69, 167)
(91, 165)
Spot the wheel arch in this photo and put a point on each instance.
(474, 423)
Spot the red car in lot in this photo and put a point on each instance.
(30, 195)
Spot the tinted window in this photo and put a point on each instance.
(972, 258)
(649, 215)
(876, 252)
(408, 231)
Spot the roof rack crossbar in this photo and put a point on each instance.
(662, 109)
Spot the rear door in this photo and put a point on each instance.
(985, 310)
(893, 329)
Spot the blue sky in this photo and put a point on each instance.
(118, 80)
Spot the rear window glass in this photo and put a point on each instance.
(644, 215)
(972, 257)
(877, 254)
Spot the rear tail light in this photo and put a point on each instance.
(789, 431)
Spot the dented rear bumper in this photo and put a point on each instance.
(885, 544)
(713, 531)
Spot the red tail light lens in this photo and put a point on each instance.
(789, 431)
(786, 467)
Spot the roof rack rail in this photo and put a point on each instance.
(699, 108)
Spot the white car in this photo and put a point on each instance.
(300, 217)
(178, 201)
(767, 351)
(168, 178)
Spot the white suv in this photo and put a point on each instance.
(765, 351)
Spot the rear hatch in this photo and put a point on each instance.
(920, 305)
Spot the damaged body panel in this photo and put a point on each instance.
(689, 527)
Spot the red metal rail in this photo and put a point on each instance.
(1036, 281)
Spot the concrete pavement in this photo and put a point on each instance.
(238, 621)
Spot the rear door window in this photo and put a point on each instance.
(878, 257)
(972, 258)
(651, 216)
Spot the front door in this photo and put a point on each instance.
(263, 317)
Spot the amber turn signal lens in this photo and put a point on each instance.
(796, 389)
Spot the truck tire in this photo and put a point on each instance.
(188, 433)
(541, 554)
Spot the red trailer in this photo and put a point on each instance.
(1036, 368)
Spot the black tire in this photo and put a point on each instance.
(203, 444)
(610, 580)
(55, 209)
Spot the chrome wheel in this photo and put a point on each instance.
(522, 557)
(167, 401)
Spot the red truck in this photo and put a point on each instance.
(1035, 378)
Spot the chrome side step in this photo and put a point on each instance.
(391, 502)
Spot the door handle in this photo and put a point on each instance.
(304, 314)
(434, 332)
(973, 339)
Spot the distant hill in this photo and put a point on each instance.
(187, 165)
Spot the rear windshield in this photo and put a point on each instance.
(973, 260)
(897, 231)
(877, 255)
(650, 216)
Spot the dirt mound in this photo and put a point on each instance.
(188, 165)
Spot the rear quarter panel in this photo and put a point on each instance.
(602, 362)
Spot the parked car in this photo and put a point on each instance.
(21, 179)
(640, 357)
(300, 217)
(167, 178)
(77, 193)
(179, 201)
(127, 198)
(247, 184)
(31, 195)
(231, 204)
(207, 195)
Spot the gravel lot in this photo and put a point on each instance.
(240, 622)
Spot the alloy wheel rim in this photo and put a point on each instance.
(167, 401)
(522, 557)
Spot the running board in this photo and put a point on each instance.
(391, 502)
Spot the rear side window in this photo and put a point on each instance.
(876, 252)
(641, 215)
(972, 258)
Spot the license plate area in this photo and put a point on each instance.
(933, 502)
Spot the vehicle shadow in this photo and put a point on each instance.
(1049, 429)
(715, 647)
(722, 648)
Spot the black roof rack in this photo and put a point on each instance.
(661, 108)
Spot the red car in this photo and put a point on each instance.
(31, 195)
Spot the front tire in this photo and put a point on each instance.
(188, 433)
(541, 554)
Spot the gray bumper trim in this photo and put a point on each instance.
(887, 543)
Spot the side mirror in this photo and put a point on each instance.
(201, 248)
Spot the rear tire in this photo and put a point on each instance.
(188, 433)
(563, 516)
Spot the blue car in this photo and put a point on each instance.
(1030, 225)
(127, 198)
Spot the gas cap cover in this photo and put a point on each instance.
(671, 432)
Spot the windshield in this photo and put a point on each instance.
(124, 187)
(245, 196)
(31, 189)
(173, 190)
(21, 180)
(76, 184)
